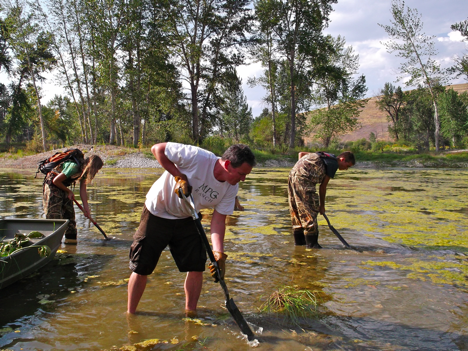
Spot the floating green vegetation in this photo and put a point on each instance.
(390, 264)
(354, 282)
(266, 229)
(127, 198)
(419, 208)
(293, 303)
(114, 283)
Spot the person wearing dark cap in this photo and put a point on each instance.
(304, 202)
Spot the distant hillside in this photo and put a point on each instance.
(373, 120)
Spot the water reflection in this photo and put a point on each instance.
(404, 287)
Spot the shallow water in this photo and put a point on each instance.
(403, 286)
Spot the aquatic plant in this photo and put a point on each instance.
(22, 241)
(291, 302)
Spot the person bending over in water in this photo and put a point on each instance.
(57, 197)
(304, 203)
(167, 221)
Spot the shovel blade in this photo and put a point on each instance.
(339, 237)
(239, 318)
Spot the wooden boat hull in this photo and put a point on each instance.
(26, 261)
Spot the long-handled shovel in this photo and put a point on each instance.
(336, 232)
(230, 305)
(92, 220)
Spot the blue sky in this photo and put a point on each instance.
(357, 21)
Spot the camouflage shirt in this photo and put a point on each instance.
(310, 167)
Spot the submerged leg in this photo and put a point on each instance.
(136, 287)
(193, 286)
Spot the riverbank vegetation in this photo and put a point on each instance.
(380, 154)
(136, 73)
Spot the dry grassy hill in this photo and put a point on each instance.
(373, 120)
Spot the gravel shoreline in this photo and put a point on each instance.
(118, 157)
(112, 156)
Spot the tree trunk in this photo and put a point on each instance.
(437, 126)
(195, 116)
(273, 102)
(85, 75)
(39, 106)
(293, 105)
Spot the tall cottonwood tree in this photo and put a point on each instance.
(235, 113)
(205, 38)
(392, 101)
(5, 59)
(461, 66)
(264, 52)
(338, 88)
(59, 20)
(453, 116)
(132, 37)
(409, 42)
(418, 118)
(297, 31)
(31, 46)
(104, 21)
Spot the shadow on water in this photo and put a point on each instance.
(51, 285)
(391, 334)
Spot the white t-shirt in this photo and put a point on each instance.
(198, 165)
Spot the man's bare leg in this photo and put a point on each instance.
(136, 287)
(193, 286)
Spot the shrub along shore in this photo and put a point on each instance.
(125, 157)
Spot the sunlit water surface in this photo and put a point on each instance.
(403, 286)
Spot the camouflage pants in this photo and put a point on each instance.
(58, 206)
(303, 203)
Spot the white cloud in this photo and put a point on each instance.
(452, 36)
(357, 21)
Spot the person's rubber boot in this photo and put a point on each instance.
(299, 237)
(70, 239)
(312, 241)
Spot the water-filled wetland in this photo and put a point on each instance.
(404, 287)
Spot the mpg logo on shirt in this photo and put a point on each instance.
(207, 192)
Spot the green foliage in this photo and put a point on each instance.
(378, 146)
(293, 30)
(392, 102)
(292, 302)
(236, 115)
(261, 132)
(410, 43)
(216, 144)
(360, 145)
(329, 123)
(458, 157)
(461, 66)
(34, 146)
(453, 116)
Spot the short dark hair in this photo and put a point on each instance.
(348, 157)
(238, 154)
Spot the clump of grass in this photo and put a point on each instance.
(291, 302)
(111, 162)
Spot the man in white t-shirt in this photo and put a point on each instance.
(166, 218)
